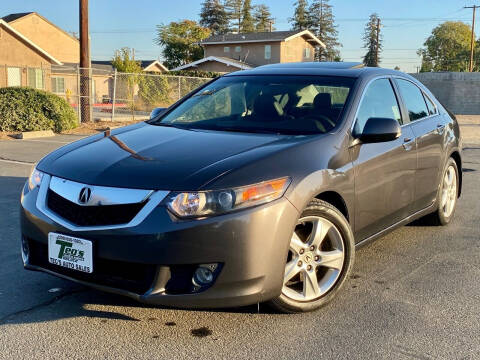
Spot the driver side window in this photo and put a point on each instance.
(379, 101)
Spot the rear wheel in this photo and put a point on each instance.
(447, 196)
(319, 259)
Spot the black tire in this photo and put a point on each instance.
(319, 208)
(438, 217)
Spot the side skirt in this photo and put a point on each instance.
(405, 221)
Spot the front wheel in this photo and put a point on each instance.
(319, 259)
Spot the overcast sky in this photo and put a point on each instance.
(118, 23)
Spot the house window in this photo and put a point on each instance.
(58, 85)
(238, 48)
(268, 52)
(35, 78)
(13, 76)
(306, 53)
(226, 49)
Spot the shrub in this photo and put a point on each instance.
(27, 109)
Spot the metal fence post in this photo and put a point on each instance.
(90, 88)
(179, 90)
(114, 93)
(79, 114)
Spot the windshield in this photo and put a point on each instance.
(264, 104)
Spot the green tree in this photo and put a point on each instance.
(447, 48)
(247, 24)
(476, 58)
(214, 17)
(370, 41)
(322, 24)
(124, 61)
(154, 91)
(263, 18)
(234, 12)
(300, 19)
(180, 42)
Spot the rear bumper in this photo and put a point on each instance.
(152, 262)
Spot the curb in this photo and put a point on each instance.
(34, 134)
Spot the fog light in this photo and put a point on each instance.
(25, 250)
(204, 275)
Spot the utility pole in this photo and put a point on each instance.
(84, 63)
(377, 44)
(472, 41)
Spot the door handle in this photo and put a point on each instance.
(440, 128)
(407, 143)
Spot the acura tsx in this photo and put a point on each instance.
(258, 186)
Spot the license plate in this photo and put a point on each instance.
(70, 252)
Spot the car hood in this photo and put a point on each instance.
(156, 157)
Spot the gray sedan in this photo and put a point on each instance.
(256, 187)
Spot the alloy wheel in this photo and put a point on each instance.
(449, 191)
(315, 259)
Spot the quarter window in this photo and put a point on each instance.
(379, 101)
(413, 98)
(268, 52)
(432, 109)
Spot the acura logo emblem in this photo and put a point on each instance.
(84, 196)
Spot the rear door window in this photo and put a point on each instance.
(379, 101)
(413, 99)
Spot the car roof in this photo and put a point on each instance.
(344, 69)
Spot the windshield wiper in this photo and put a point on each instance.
(169, 125)
(258, 131)
(208, 92)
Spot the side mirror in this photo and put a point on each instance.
(380, 130)
(157, 111)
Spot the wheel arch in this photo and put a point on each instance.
(335, 199)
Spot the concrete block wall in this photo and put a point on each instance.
(458, 91)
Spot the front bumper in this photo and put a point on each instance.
(250, 247)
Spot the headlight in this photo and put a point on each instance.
(205, 203)
(34, 179)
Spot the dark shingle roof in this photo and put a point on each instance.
(12, 17)
(145, 63)
(249, 37)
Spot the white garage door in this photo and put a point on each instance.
(14, 78)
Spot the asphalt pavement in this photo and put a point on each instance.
(414, 294)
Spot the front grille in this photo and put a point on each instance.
(92, 215)
(133, 277)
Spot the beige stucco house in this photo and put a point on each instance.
(46, 35)
(231, 52)
(35, 52)
(22, 61)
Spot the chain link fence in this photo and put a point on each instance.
(113, 96)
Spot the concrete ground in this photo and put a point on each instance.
(414, 294)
